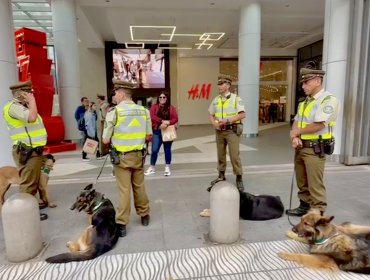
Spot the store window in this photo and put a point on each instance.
(275, 87)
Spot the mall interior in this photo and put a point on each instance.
(181, 47)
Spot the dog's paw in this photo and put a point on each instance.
(205, 213)
(292, 235)
(285, 256)
(52, 205)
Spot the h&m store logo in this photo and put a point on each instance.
(199, 91)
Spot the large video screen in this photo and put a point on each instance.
(143, 67)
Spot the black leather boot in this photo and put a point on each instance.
(300, 210)
(221, 177)
(239, 183)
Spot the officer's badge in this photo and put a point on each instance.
(328, 109)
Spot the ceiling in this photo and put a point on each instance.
(190, 24)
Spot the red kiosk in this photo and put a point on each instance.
(34, 65)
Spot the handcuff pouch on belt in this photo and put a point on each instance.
(238, 129)
(24, 152)
(323, 146)
(114, 156)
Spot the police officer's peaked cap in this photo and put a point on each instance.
(224, 79)
(117, 84)
(25, 86)
(310, 71)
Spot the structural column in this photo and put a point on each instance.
(335, 55)
(67, 61)
(249, 61)
(8, 75)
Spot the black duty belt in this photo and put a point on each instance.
(133, 151)
(38, 150)
(309, 143)
(228, 127)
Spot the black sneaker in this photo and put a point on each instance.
(43, 216)
(145, 220)
(121, 230)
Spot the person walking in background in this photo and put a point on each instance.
(101, 111)
(225, 114)
(91, 128)
(28, 135)
(128, 128)
(79, 117)
(312, 138)
(162, 115)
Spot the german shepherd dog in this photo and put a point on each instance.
(9, 175)
(260, 207)
(98, 238)
(336, 247)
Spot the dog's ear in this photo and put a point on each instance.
(324, 220)
(92, 192)
(88, 187)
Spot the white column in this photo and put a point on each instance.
(249, 63)
(335, 55)
(8, 75)
(67, 61)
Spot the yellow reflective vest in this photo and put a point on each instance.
(130, 130)
(225, 109)
(32, 134)
(306, 113)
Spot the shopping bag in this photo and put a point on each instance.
(169, 133)
(90, 146)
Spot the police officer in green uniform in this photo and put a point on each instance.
(312, 137)
(225, 113)
(28, 135)
(127, 127)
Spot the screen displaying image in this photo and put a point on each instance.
(144, 67)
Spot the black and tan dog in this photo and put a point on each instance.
(9, 176)
(256, 207)
(260, 207)
(345, 247)
(98, 238)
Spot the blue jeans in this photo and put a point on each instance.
(156, 145)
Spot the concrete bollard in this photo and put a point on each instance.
(224, 220)
(22, 229)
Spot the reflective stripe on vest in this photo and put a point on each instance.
(306, 114)
(130, 129)
(226, 109)
(18, 133)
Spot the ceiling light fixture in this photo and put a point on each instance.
(203, 44)
(134, 45)
(212, 36)
(136, 27)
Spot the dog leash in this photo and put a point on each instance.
(291, 196)
(101, 170)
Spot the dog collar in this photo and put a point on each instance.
(322, 241)
(97, 206)
(45, 170)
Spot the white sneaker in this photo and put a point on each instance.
(167, 171)
(150, 171)
(86, 159)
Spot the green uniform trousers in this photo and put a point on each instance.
(29, 173)
(309, 170)
(130, 174)
(228, 138)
